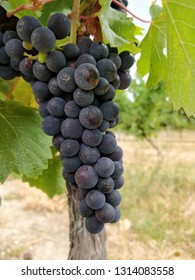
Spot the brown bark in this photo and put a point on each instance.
(83, 245)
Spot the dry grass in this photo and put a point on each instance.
(158, 208)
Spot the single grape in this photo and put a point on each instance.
(95, 199)
(65, 79)
(43, 39)
(43, 109)
(127, 60)
(107, 69)
(69, 147)
(110, 110)
(26, 66)
(71, 128)
(86, 76)
(88, 155)
(113, 198)
(104, 167)
(71, 51)
(60, 25)
(104, 126)
(81, 194)
(119, 182)
(55, 61)
(72, 110)
(118, 171)
(92, 137)
(108, 144)
(8, 35)
(41, 91)
(93, 225)
(56, 107)
(71, 164)
(125, 80)
(106, 214)
(84, 41)
(98, 50)
(105, 185)
(90, 117)
(51, 125)
(54, 88)
(86, 177)
(41, 72)
(116, 82)
(82, 97)
(14, 48)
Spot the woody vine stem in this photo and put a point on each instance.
(74, 21)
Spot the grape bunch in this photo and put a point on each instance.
(75, 86)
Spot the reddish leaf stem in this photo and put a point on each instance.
(126, 10)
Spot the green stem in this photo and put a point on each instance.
(74, 21)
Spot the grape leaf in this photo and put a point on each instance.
(13, 4)
(25, 149)
(180, 21)
(22, 92)
(51, 180)
(117, 28)
(153, 59)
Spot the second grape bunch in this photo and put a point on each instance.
(75, 87)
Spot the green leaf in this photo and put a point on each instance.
(180, 22)
(155, 11)
(153, 59)
(51, 180)
(25, 149)
(117, 28)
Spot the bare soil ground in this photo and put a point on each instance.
(34, 226)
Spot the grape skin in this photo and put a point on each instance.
(106, 214)
(84, 209)
(55, 61)
(60, 25)
(71, 128)
(65, 79)
(86, 177)
(88, 155)
(43, 39)
(51, 125)
(92, 137)
(95, 199)
(90, 117)
(82, 97)
(14, 48)
(86, 76)
(104, 167)
(55, 107)
(69, 147)
(93, 225)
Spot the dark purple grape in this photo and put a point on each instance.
(113, 198)
(43, 39)
(56, 106)
(86, 76)
(90, 117)
(95, 199)
(51, 125)
(93, 225)
(92, 137)
(59, 23)
(106, 214)
(88, 155)
(104, 167)
(69, 147)
(71, 128)
(86, 177)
